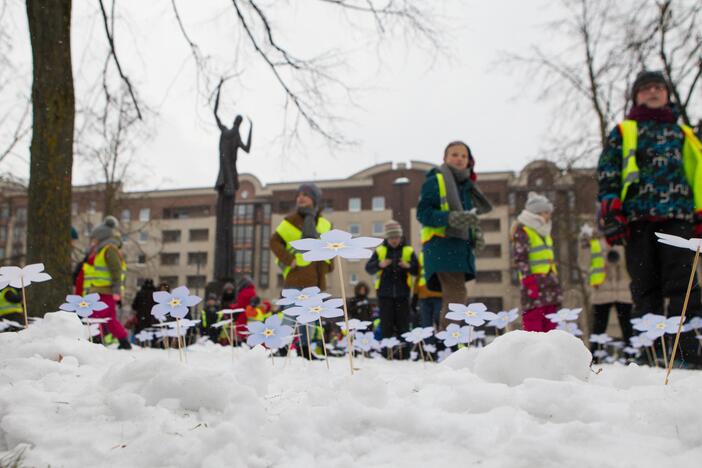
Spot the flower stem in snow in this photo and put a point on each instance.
(24, 303)
(665, 351)
(682, 315)
(180, 350)
(346, 314)
(309, 346)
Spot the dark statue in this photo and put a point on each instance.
(227, 184)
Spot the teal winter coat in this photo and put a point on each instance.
(444, 254)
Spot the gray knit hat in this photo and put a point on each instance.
(105, 230)
(537, 203)
(393, 229)
(312, 191)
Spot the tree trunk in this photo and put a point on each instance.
(51, 151)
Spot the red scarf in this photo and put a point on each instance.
(642, 113)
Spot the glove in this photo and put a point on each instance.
(478, 239)
(698, 224)
(616, 230)
(462, 220)
(531, 285)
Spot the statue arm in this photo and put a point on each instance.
(247, 146)
(216, 106)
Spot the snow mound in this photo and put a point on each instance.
(516, 356)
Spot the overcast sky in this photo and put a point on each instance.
(410, 108)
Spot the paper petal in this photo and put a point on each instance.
(99, 305)
(68, 307)
(310, 292)
(161, 297)
(254, 340)
(355, 253)
(365, 242)
(308, 244)
(319, 255)
(273, 321)
(336, 236)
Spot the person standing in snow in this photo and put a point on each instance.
(448, 210)
(305, 223)
(650, 180)
(533, 257)
(103, 273)
(393, 263)
(142, 304)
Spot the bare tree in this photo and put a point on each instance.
(602, 45)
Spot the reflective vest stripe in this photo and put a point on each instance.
(382, 252)
(597, 264)
(541, 258)
(7, 307)
(428, 232)
(422, 279)
(691, 157)
(289, 233)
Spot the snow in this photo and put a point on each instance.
(526, 400)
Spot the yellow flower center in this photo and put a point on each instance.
(302, 297)
(335, 245)
(82, 304)
(470, 313)
(268, 332)
(455, 334)
(660, 325)
(174, 302)
(316, 309)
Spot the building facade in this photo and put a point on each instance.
(168, 235)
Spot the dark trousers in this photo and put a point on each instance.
(394, 316)
(601, 318)
(659, 271)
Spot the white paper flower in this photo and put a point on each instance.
(355, 324)
(602, 338)
(429, 348)
(144, 336)
(564, 315)
(418, 334)
(175, 303)
(336, 242)
(474, 314)
(455, 334)
(641, 341)
(295, 296)
(83, 306)
(503, 318)
(365, 341)
(18, 277)
(631, 350)
(646, 322)
(389, 342)
(693, 243)
(231, 311)
(600, 353)
(661, 325)
(312, 309)
(221, 323)
(443, 354)
(270, 333)
(695, 323)
(570, 327)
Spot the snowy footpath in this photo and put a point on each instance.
(526, 400)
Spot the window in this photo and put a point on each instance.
(378, 228)
(88, 229)
(243, 234)
(491, 251)
(4, 211)
(490, 225)
(355, 229)
(195, 281)
(141, 259)
(144, 214)
(21, 215)
(143, 236)
(170, 259)
(126, 215)
(199, 235)
(197, 258)
(489, 276)
(171, 281)
(18, 234)
(493, 304)
(512, 200)
(327, 205)
(18, 250)
(3, 233)
(571, 200)
(185, 212)
(2, 253)
(140, 282)
(266, 209)
(354, 204)
(171, 236)
(353, 279)
(243, 213)
(92, 207)
(285, 206)
(378, 203)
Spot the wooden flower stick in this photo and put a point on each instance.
(309, 345)
(324, 343)
(24, 303)
(180, 349)
(665, 350)
(682, 315)
(349, 340)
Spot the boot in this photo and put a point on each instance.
(124, 344)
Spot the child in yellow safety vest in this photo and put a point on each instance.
(533, 257)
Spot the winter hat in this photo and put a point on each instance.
(312, 191)
(647, 77)
(537, 203)
(393, 229)
(105, 230)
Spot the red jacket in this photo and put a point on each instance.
(243, 300)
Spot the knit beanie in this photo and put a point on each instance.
(312, 191)
(647, 77)
(105, 230)
(393, 229)
(537, 203)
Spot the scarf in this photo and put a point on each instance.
(453, 177)
(642, 113)
(309, 223)
(535, 222)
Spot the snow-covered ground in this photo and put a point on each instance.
(526, 400)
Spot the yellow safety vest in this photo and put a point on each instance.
(7, 307)
(421, 285)
(382, 252)
(541, 258)
(289, 233)
(691, 156)
(98, 275)
(428, 232)
(597, 263)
